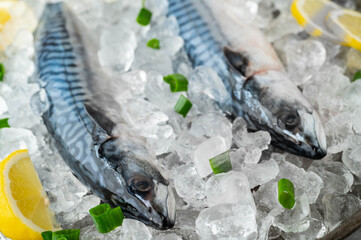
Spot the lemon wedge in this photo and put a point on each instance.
(346, 24)
(24, 211)
(311, 15)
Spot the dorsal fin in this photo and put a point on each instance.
(238, 61)
(101, 119)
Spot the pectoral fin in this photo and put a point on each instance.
(236, 60)
(100, 118)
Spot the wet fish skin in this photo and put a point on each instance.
(216, 36)
(112, 163)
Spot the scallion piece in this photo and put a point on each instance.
(357, 76)
(144, 16)
(4, 123)
(183, 106)
(153, 43)
(177, 82)
(2, 72)
(69, 234)
(286, 193)
(221, 163)
(105, 218)
(48, 235)
(62, 238)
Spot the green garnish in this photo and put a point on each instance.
(221, 163)
(48, 235)
(286, 193)
(2, 72)
(177, 82)
(144, 16)
(4, 123)
(153, 43)
(68, 234)
(357, 76)
(183, 106)
(105, 218)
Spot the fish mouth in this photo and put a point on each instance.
(303, 149)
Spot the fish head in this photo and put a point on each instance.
(144, 194)
(273, 103)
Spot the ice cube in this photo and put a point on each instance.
(351, 156)
(295, 219)
(283, 25)
(3, 106)
(117, 45)
(23, 41)
(12, 139)
(188, 183)
(335, 175)
(339, 207)
(81, 210)
(135, 81)
(207, 89)
(316, 230)
(253, 144)
(264, 221)
(205, 151)
(231, 187)
(227, 221)
(267, 197)
(39, 102)
(211, 125)
(158, 92)
(161, 143)
(239, 128)
(303, 58)
(338, 129)
(356, 126)
(261, 173)
(157, 7)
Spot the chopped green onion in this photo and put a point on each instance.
(286, 193)
(105, 218)
(221, 163)
(357, 76)
(177, 82)
(4, 123)
(2, 71)
(69, 234)
(153, 43)
(62, 238)
(48, 235)
(144, 16)
(183, 106)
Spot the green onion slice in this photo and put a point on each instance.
(177, 82)
(357, 76)
(144, 16)
(2, 72)
(62, 238)
(4, 123)
(69, 234)
(48, 235)
(286, 193)
(183, 106)
(153, 43)
(105, 218)
(221, 163)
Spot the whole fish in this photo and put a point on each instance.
(90, 134)
(218, 36)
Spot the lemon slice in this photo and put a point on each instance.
(346, 24)
(24, 211)
(311, 15)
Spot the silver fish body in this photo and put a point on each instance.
(115, 168)
(216, 35)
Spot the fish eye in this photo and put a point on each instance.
(141, 186)
(288, 120)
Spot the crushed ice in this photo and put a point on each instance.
(240, 204)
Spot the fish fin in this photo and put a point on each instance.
(101, 119)
(238, 61)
